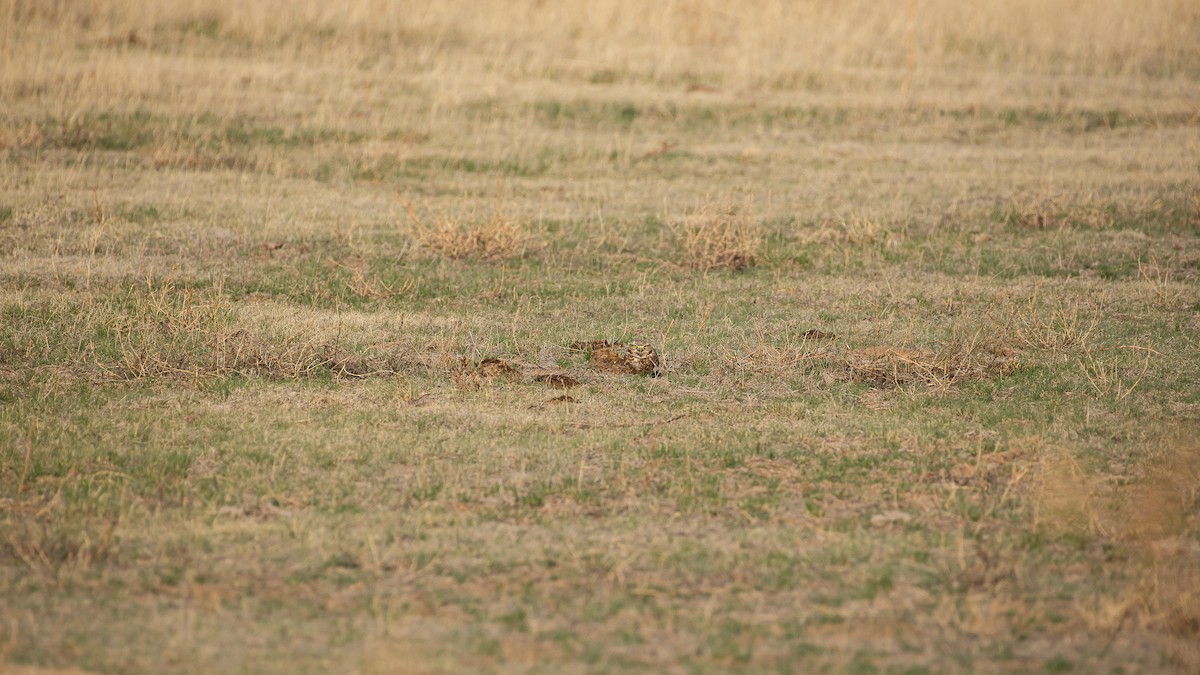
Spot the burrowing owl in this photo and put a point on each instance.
(641, 358)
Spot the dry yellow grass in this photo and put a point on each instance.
(158, 54)
(457, 238)
(720, 237)
(765, 37)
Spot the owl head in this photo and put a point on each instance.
(640, 349)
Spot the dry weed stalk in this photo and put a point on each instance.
(1158, 280)
(375, 288)
(1065, 329)
(101, 226)
(1108, 378)
(719, 237)
(448, 236)
(372, 287)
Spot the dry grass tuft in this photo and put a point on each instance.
(719, 237)
(761, 352)
(296, 357)
(190, 335)
(1164, 290)
(1056, 211)
(851, 231)
(1083, 211)
(56, 549)
(452, 237)
(888, 367)
(371, 287)
(1111, 377)
(1061, 328)
(1036, 213)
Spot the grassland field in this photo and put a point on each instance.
(300, 304)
